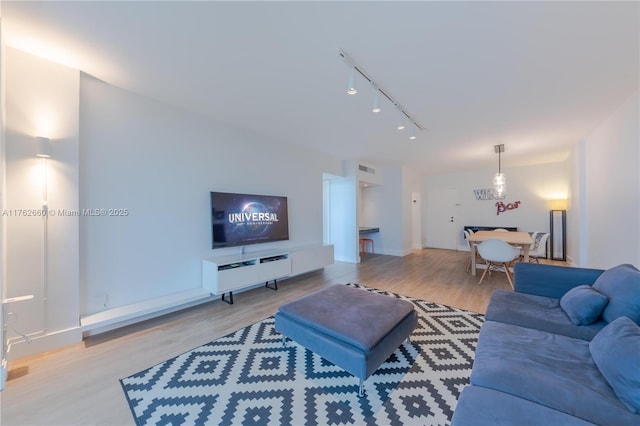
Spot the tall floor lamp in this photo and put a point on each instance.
(558, 226)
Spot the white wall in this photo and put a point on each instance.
(41, 255)
(533, 186)
(160, 163)
(612, 193)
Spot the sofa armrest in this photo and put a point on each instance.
(551, 280)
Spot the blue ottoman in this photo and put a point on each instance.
(353, 328)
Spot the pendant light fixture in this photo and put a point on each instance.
(499, 180)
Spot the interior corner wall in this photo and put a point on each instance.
(344, 205)
(577, 224)
(343, 219)
(41, 250)
(155, 165)
(612, 188)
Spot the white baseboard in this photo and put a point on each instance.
(44, 343)
(399, 253)
(121, 316)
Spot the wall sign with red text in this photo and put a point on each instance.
(502, 207)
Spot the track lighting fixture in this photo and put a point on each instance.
(351, 89)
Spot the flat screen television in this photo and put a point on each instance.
(243, 219)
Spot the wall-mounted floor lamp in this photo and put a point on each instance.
(557, 227)
(44, 152)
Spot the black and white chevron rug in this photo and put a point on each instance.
(250, 378)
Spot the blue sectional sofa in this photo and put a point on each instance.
(562, 349)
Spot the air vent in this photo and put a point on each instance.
(366, 169)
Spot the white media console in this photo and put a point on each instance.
(226, 274)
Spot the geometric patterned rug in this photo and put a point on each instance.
(249, 378)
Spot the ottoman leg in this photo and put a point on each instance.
(361, 389)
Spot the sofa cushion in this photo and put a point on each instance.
(480, 406)
(622, 285)
(616, 352)
(548, 369)
(550, 280)
(538, 312)
(583, 304)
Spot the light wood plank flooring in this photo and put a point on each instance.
(78, 385)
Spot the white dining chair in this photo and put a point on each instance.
(498, 255)
(479, 260)
(539, 247)
(506, 230)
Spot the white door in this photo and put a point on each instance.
(442, 228)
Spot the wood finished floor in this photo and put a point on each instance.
(78, 385)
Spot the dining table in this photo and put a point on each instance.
(515, 238)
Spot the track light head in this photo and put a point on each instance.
(400, 125)
(376, 102)
(351, 87)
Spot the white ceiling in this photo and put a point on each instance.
(536, 76)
